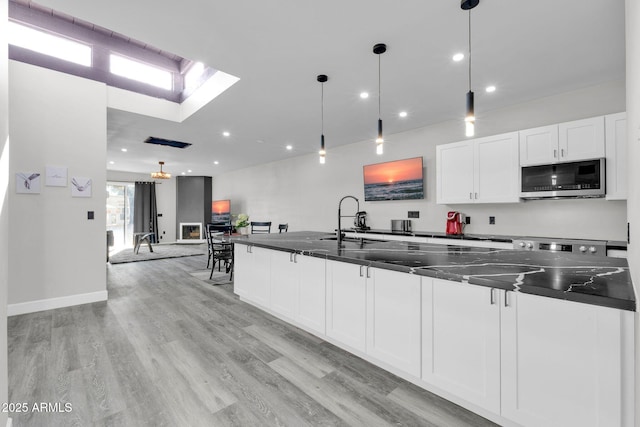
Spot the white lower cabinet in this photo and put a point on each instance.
(347, 303)
(284, 283)
(461, 340)
(393, 319)
(563, 363)
(252, 267)
(311, 304)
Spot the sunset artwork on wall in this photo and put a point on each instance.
(397, 180)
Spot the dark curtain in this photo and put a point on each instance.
(145, 211)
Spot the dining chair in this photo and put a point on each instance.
(260, 227)
(283, 228)
(221, 252)
(211, 235)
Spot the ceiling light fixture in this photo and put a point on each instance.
(458, 57)
(216, 162)
(322, 79)
(161, 174)
(289, 147)
(364, 95)
(379, 49)
(470, 118)
(490, 89)
(225, 133)
(402, 114)
(124, 150)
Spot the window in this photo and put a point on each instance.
(49, 44)
(138, 71)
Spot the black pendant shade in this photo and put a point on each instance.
(470, 117)
(379, 49)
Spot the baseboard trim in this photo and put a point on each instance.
(51, 303)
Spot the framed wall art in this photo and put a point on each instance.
(28, 183)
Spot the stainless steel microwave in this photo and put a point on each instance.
(585, 178)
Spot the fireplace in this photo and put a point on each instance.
(191, 231)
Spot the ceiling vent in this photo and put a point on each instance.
(166, 142)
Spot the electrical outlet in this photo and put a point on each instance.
(492, 220)
(90, 215)
(467, 220)
(413, 214)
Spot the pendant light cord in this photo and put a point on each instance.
(379, 92)
(469, 49)
(322, 107)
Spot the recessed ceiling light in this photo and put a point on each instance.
(189, 171)
(216, 162)
(458, 57)
(184, 173)
(124, 150)
(112, 162)
(364, 95)
(225, 133)
(289, 147)
(402, 114)
(490, 89)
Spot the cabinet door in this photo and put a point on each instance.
(347, 304)
(454, 173)
(310, 310)
(561, 362)
(284, 283)
(242, 269)
(616, 155)
(539, 145)
(497, 170)
(393, 320)
(258, 275)
(461, 340)
(581, 139)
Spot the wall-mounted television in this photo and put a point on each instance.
(221, 212)
(397, 180)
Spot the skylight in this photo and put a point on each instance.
(49, 44)
(192, 78)
(138, 71)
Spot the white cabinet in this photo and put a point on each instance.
(616, 155)
(252, 268)
(461, 340)
(581, 139)
(311, 292)
(539, 145)
(563, 364)
(347, 303)
(284, 283)
(454, 173)
(483, 170)
(564, 142)
(393, 319)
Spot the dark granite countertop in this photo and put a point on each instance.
(592, 280)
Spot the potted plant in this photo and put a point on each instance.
(242, 224)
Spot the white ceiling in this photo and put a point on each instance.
(528, 49)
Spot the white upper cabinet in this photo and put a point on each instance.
(616, 155)
(454, 170)
(483, 170)
(581, 139)
(564, 142)
(539, 145)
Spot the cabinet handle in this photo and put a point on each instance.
(295, 258)
(368, 276)
(555, 153)
(291, 257)
(476, 195)
(493, 301)
(470, 196)
(562, 152)
(506, 298)
(361, 270)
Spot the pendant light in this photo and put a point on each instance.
(161, 174)
(322, 79)
(379, 49)
(470, 117)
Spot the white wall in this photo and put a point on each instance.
(305, 194)
(56, 252)
(4, 208)
(633, 151)
(165, 199)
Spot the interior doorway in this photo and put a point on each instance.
(120, 214)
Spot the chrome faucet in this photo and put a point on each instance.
(346, 216)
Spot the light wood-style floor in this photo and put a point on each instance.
(168, 349)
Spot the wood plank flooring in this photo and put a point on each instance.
(169, 349)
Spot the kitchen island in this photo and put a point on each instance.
(522, 338)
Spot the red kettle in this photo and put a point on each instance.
(454, 222)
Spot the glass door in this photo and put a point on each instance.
(120, 214)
